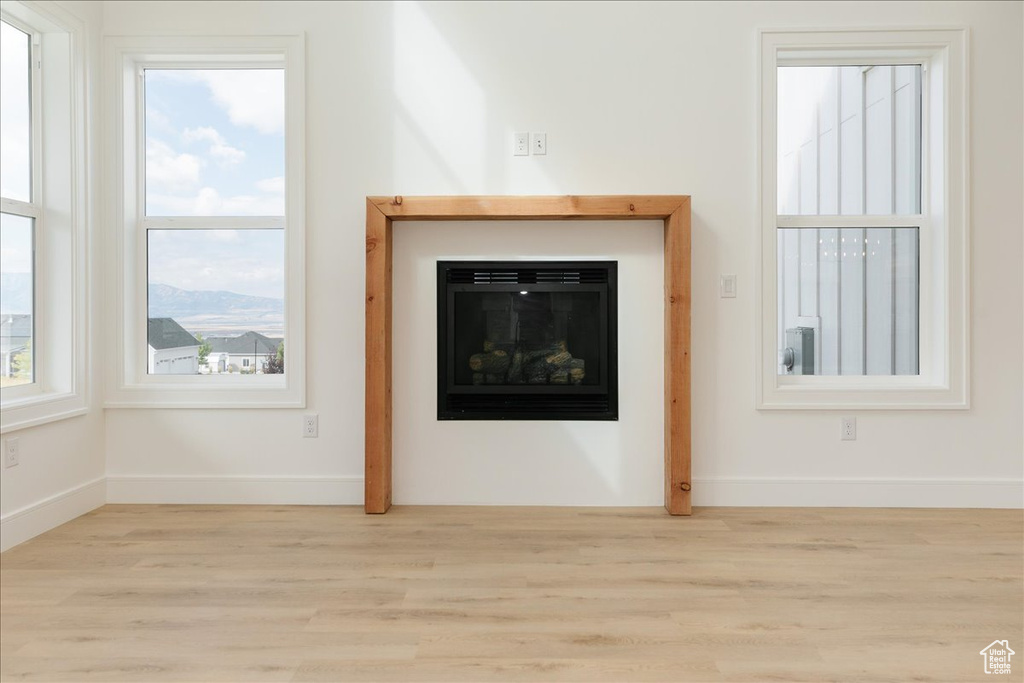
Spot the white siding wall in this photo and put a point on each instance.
(860, 284)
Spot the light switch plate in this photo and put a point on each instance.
(727, 287)
(539, 143)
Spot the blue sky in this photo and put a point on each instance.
(215, 147)
(15, 169)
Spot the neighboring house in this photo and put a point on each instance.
(246, 352)
(15, 333)
(172, 350)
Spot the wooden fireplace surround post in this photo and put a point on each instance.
(381, 214)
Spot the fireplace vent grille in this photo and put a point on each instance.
(537, 407)
(528, 276)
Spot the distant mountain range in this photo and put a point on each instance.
(216, 312)
(16, 293)
(206, 311)
(166, 301)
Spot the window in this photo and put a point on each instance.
(42, 216)
(211, 222)
(849, 144)
(863, 230)
(19, 212)
(214, 141)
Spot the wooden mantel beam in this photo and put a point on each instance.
(568, 207)
(381, 212)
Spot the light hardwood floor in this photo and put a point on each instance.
(227, 593)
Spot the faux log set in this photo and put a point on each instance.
(495, 362)
(552, 364)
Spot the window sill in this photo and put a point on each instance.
(40, 409)
(862, 393)
(175, 393)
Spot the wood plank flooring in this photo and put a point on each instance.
(238, 593)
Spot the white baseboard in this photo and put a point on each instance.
(236, 490)
(32, 520)
(711, 491)
(897, 493)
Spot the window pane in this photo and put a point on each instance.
(848, 301)
(216, 301)
(214, 142)
(15, 115)
(16, 300)
(849, 140)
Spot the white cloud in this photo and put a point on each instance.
(221, 267)
(273, 185)
(168, 171)
(15, 165)
(220, 150)
(208, 202)
(157, 121)
(242, 261)
(168, 205)
(15, 244)
(16, 260)
(225, 236)
(251, 97)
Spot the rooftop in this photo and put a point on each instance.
(166, 333)
(248, 343)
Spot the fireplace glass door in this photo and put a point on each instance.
(527, 340)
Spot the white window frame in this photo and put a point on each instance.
(943, 222)
(129, 384)
(59, 206)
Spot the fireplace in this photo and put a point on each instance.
(526, 340)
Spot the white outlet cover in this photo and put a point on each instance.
(10, 453)
(520, 144)
(310, 426)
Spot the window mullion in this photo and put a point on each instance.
(19, 208)
(826, 59)
(847, 221)
(212, 222)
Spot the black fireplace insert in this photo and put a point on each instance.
(527, 340)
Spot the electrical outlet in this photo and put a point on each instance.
(539, 143)
(11, 453)
(520, 144)
(849, 429)
(310, 426)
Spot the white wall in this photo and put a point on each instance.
(541, 462)
(416, 98)
(60, 475)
